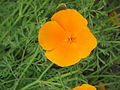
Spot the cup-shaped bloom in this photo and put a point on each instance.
(85, 87)
(66, 38)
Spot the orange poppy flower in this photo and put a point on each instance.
(66, 38)
(85, 87)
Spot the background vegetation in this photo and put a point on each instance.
(22, 62)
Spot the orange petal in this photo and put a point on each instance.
(65, 55)
(70, 20)
(85, 87)
(86, 41)
(51, 35)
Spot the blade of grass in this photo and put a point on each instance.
(30, 62)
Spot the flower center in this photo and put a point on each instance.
(70, 39)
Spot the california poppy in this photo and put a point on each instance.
(85, 87)
(66, 38)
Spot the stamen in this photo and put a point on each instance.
(69, 38)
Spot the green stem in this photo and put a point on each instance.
(38, 80)
(31, 84)
(94, 76)
(33, 57)
(64, 75)
(107, 29)
(45, 71)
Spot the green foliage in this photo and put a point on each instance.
(22, 62)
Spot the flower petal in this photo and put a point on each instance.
(65, 55)
(51, 35)
(70, 20)
(85, 87)
(86, 41)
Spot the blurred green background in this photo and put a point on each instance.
(23, 65)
